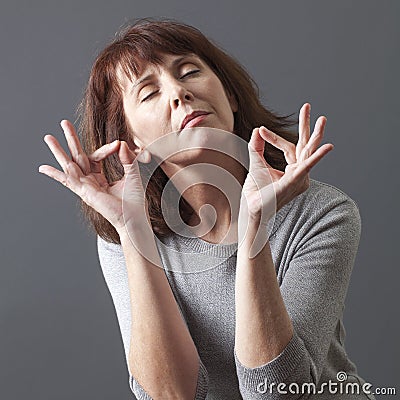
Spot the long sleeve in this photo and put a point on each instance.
(313, 244)
(113, 266)
(320, 250)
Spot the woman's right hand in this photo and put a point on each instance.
(83, 175)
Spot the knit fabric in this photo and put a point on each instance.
(314, 241)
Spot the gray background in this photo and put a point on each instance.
(59, 337)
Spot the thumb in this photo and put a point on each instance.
(133, 189)
(256, 148)
(126, 156)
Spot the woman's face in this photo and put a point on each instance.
(181, 89)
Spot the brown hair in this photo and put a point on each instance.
(102, 118)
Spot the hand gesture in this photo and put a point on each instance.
(266, 188)
(83, 175)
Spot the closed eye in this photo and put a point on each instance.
(149, 96)
(190, 73)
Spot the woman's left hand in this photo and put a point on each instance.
(267, 189)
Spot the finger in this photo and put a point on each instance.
(316, 157)
(101, 153)
(133, 192)
(288, 148)
(126, 156)
(256, 142)
(58, 152)
(143, 156)
(53, 173)
(304, 128)
(67, 180)
(315, 140)
(256, 148)
(75, 148)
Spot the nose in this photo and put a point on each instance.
(180, 95)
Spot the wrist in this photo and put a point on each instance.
(253, 233)
(133, 229)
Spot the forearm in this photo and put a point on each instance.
(162, 357)
(263, 326)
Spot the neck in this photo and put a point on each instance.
(213, 192)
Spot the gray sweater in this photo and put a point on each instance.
(314, 242)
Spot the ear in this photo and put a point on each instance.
(233, 102)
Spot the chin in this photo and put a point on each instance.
(192, 145)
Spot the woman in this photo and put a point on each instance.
(250, 322)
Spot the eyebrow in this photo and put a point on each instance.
(149, 76)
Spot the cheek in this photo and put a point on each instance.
(215, 86)
(134, 123)
(133, 116)
(148, 125)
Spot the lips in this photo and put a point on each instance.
(190, 117)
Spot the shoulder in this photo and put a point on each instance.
(322, 198)
(106, 244)
(326, 189)
(321, 203)
(107, 249)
